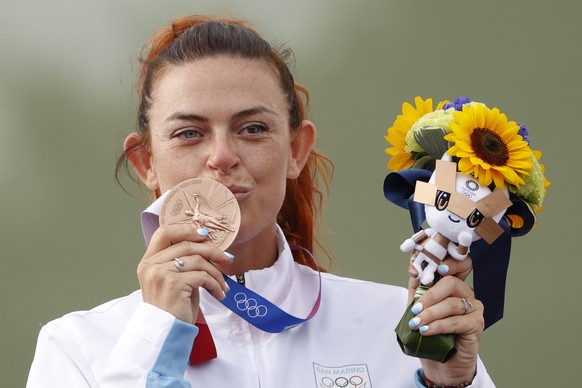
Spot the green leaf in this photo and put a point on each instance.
(432, 140)
(426, 162)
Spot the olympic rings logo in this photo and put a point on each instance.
(355, 381)
(250, 305)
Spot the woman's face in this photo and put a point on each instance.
(226, 119)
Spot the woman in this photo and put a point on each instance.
(218, 102)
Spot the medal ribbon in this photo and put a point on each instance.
(245, 303)
(260, 312)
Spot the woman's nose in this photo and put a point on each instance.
(224, 156)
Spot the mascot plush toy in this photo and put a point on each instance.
(471, 182)
(459, 211)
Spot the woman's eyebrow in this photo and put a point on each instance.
(254, 110)
(182, 116)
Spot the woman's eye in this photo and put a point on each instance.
(188, 134)
(255, 128)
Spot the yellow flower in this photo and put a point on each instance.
(489, 147)
(396, 135)
(546, 183)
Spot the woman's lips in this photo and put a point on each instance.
(239, 192)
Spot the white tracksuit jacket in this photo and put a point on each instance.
(128, 343)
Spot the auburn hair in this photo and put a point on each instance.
(195, 37)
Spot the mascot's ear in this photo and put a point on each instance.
(446, 157)
(520, 217)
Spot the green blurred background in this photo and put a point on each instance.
(70, 237)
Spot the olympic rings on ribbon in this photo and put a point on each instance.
(250, 305)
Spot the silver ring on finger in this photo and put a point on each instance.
(466, 305)
(179, 264)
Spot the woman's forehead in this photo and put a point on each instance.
(219, 80)
(214, 72)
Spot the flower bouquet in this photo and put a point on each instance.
(470, 174)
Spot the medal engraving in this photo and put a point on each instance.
(203, 203)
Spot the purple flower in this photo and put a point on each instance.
(457, 104)
(524, 133)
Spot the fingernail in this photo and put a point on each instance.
(417, 308)
(423, 329)
(443, 269)
(202, 232)
(229, 255)
(414, 322)
(223, 295)
(227, 287)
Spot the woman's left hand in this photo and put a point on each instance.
(449, 306)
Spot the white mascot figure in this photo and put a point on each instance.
(458, 212)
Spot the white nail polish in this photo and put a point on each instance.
(414, 322)
(417, 308)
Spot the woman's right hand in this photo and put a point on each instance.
(162, 283)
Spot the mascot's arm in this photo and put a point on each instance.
(414, 242)
(461, 251)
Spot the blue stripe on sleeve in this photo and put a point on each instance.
(419, 378)
(168, 371)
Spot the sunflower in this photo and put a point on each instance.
(489, 147)
(396, 135)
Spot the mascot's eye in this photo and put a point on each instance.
(442, 200)
(474, 219)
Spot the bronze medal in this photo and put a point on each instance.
(203, 203)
